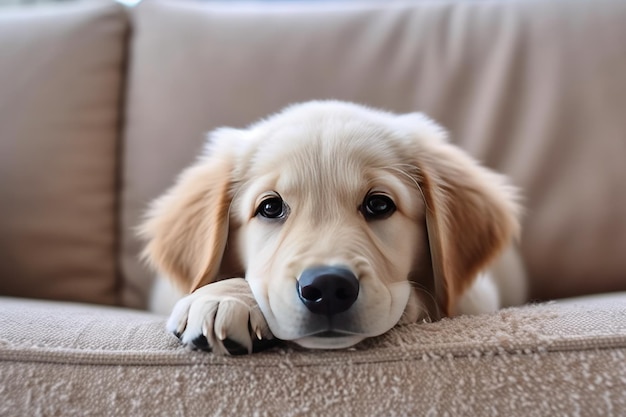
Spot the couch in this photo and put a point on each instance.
(101, 106)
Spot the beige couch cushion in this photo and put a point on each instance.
(535, 89)
(60, 85)
(543, 360)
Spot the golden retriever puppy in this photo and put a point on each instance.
(328, 223)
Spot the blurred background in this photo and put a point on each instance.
(102, 105)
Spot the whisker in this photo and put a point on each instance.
(422, 312)
(404, 171)
(423, 290)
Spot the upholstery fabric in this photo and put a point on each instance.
(60, 90)
(550, 359)
(534, 89)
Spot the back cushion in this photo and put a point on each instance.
(534, 89)
(60, 88)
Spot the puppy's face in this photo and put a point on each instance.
(331, 227)
(343, 219)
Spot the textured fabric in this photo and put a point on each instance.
(535, 89)
(60, 88)
(551, 359)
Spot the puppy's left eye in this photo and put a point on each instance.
(377, 207)
(272, 208)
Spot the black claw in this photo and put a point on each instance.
(234, 348)
(177, 334)
(263, 344)
(201, 343)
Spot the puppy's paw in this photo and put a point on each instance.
(223, 317)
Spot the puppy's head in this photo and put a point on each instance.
(343, 219)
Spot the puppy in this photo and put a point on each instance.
(329, 223)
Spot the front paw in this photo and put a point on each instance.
(223, 317)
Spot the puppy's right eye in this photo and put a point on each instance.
(272, 208)
(377, 207)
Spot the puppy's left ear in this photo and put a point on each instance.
(471, 211)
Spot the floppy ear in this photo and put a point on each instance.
(471, 212)
(187, 227)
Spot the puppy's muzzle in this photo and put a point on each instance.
(328, 290)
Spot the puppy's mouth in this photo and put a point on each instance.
(333, 328)
(330, 339)
(301, 317)
(330, 334)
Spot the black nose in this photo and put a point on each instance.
(328, 290)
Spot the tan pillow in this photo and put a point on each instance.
(534, 89)
(60, 87)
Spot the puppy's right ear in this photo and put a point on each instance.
(187, 227)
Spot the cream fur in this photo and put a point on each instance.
(322, 158)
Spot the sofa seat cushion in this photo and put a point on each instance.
(547, 359)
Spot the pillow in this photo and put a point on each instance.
(61, 70)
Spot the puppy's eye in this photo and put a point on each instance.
(272, 208)
(377, 207)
